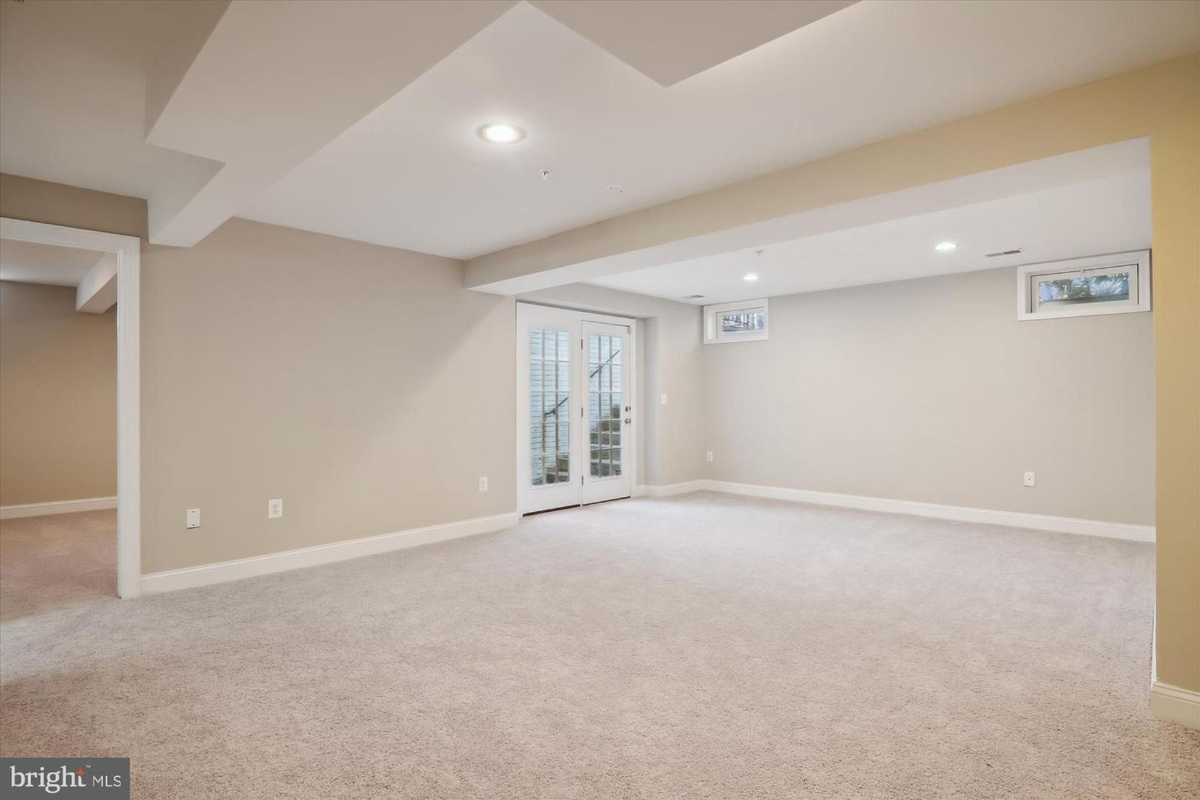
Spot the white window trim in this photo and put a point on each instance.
(1139, 259)
(712, 334)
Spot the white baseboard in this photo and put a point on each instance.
(1175, 705)
(672, 489)
(1013, 519)
(189, 577)
(57, 507)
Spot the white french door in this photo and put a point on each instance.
(575, 409)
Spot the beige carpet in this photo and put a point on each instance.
(700, 647)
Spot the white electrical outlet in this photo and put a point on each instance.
(274, 509)
(1030, 479)
(708, 455)
(483, 484)
(664, 399)
(193, 518)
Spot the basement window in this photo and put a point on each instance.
(743, 321)
(1080, 287)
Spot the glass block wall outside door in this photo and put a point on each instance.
(605, 405)
(549, 406)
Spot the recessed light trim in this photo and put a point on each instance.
(945, 247)
(501, 133)
(750, 276)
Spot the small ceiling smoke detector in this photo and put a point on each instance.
(501, 133)
(945, 247)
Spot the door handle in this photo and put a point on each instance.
(628, 420)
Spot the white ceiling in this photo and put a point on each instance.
(1106, 215)
(31, 262)
(72, 94)
(671, 40)
(414, 174)
(75, 80)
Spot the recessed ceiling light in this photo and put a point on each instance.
(501, 133)
(750, 276)
(944, 247)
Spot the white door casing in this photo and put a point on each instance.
(127, 251)
(570, 450)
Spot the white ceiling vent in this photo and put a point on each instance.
(999, 253)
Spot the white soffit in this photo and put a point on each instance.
(265, 109)
(670, 40)
(32, 262)
(274, 82)
(1018, 179)
(1102, 215)
(97, 290)
(414, 174)
(72, 89)
(198, 106)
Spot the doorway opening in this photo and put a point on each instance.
(103, 269)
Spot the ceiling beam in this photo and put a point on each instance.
(97, 292)
(272, 83)
(1072, 120)
(980, 187)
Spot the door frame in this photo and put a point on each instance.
(522, 351)
(127, 250)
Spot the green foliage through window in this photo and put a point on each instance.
(1085, 289)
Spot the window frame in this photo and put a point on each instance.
(1136, 261)
(712, 318)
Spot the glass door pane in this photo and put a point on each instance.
(606, 400)
(609, 411)
(574, 409)
(549, 406)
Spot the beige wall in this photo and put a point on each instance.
(670, 345)
(267, 371)
(361, 384)
(59, 204)
(1160, 102)
(931, 390)
(58, 397)
(260, 351)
